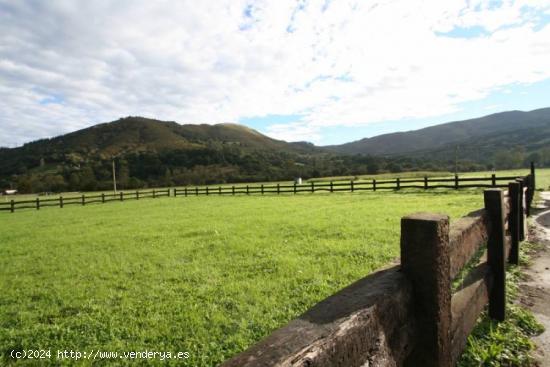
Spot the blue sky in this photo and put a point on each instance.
(324, 71)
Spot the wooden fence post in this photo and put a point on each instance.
(154, 193)
(351, 184)
(185, 191)
(12, 206)
(521, 210)
(233, 190)
(83, 199)
(247, 190)
(496, 257)
(528, 194)
(37, 203)
(331, 186)
(61, 201)
(207, 192)
(137, 195)
(197, 191)
(397, 183)
(278, 189)
(312, 186)
(219, 190)
(294, 188)
(493, 180)
(425, 260)
(456, 182)
(262, 189)
(121, 196)
(175, 192)
(425, 182)
(513, 193)
(103, 198)
(533, 177)
(374, 185)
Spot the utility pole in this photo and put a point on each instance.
(114, 175)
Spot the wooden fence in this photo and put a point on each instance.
(411, 314)
(350, 186)
(425, 183)
(83, 199)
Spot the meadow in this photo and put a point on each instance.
(204, 275)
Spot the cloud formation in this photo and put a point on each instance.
(69, 64)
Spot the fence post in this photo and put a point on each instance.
(533, 177)
(121, 196)
(247, 190)
(61, 201)
(207, 192)
(398, 183)
(295, 188)
(154, 193)
(278, 189)
(185, 191)
(528, 195)
(493, 180)
(12, 206)
(425, 182)
(373, 184)
(425, 261)
(312, 186)
(496, 257)
(233, 190)
(262, 189)
(513, 192)
(197, 190)
(37, 203)
(103, 198)
(175, 192)
(219, 190)
(521, 210)
(331, 186)
(456, 182)
(83, 199)
(137, 195)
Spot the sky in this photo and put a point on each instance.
(327, 72)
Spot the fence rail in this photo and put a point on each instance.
(350, 186)
(83, 199)
(412, 315)
(397, 184)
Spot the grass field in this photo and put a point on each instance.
(207, 275)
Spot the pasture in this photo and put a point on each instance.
(206, 275)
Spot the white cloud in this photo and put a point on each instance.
(295, 131)
(336, 63)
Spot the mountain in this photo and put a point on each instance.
(499, 127)
(149, 153)
(138, 134)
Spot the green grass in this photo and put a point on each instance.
(505, 343)
(208, 275)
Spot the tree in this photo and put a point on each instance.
(88, 180)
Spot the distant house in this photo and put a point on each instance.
(9, 192)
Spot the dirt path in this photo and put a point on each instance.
(536, 289)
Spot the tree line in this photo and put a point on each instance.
(90, 172)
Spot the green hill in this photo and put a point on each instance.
(501, 128)
(152, 153)
(161, 153)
